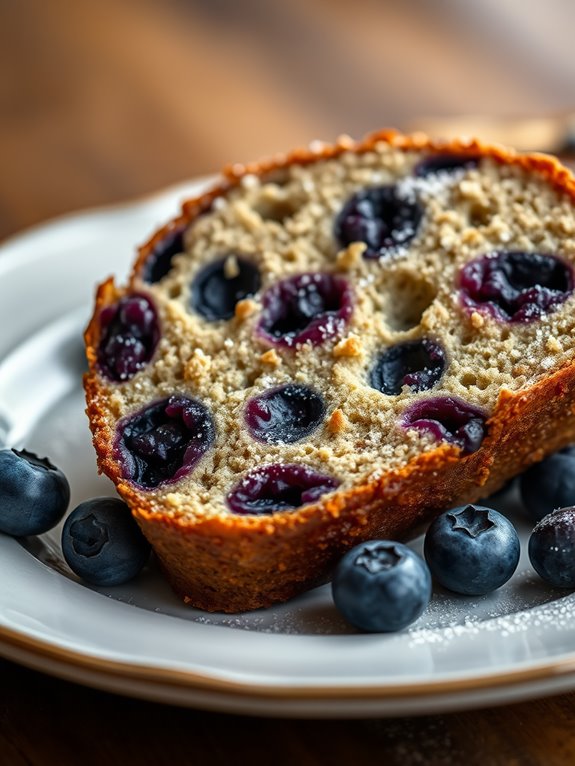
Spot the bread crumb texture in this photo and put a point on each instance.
(283, 223)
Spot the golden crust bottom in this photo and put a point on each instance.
(222, 564)
(232, 563)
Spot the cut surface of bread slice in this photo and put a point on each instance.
(334, 346)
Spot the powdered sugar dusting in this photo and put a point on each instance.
(557, 615)
(410, 188)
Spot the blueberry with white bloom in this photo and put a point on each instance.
(34, 494)
(102, 542)
(472, 550)
(381, 586)
(549, 484)
(552, 548)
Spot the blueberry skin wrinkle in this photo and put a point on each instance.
(284, 415)
(308, 308)
(552, 548)
(159, 261)
(515, 286)
(129, 336)
(448, 418)
(417, 364)
(472, 550)
(381, 586)
(102, 542)
(279, 487)
(163, 442)
(549, 484)
(34, 494)
(381, 218)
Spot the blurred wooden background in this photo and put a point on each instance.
(103, 101)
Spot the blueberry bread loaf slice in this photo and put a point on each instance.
(334, 346)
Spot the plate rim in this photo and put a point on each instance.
(40, 228)
(188, 679)
(60, 660)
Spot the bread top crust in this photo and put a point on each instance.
(166, 508)
(549, 167)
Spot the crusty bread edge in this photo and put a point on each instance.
(550, 167)
(233, 563)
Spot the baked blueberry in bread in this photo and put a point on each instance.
(330, 347)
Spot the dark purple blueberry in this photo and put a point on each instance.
(381, 217)
(417, 364)
(279, 487)
(472, 550)
(102, 542)
(381, 586)
(34, 494)
(284, 415)
(129, 336)
(308, 307)
(449, 419)
(445, 163)
(159, 261)
(515, 286)
(550, 484)
(163, 442)
(552, 548)
(215, 294)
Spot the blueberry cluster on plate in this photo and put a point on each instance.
(378, 586)
(101, 542)
(383, 586)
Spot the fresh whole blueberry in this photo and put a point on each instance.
(472, 550)
(159, 261)
(284, 415)
(381, 217)
(445, 163)
(381, 586)
(417, 364)
(279, 487)
(102, 542)
(515, 286)
(34, 494)
(552, 548)
(448, 418)
(307, 308)
(129, 335)
(163, 442)
(220, 285)
(549, 484)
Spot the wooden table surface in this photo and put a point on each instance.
(100, 102)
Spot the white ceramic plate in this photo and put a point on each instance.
(298, 659)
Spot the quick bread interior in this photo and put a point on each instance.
(333, 346)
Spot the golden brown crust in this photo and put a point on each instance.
(247, 562)
(232, 175)
(233, 563)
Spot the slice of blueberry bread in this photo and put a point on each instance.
(334, 346)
